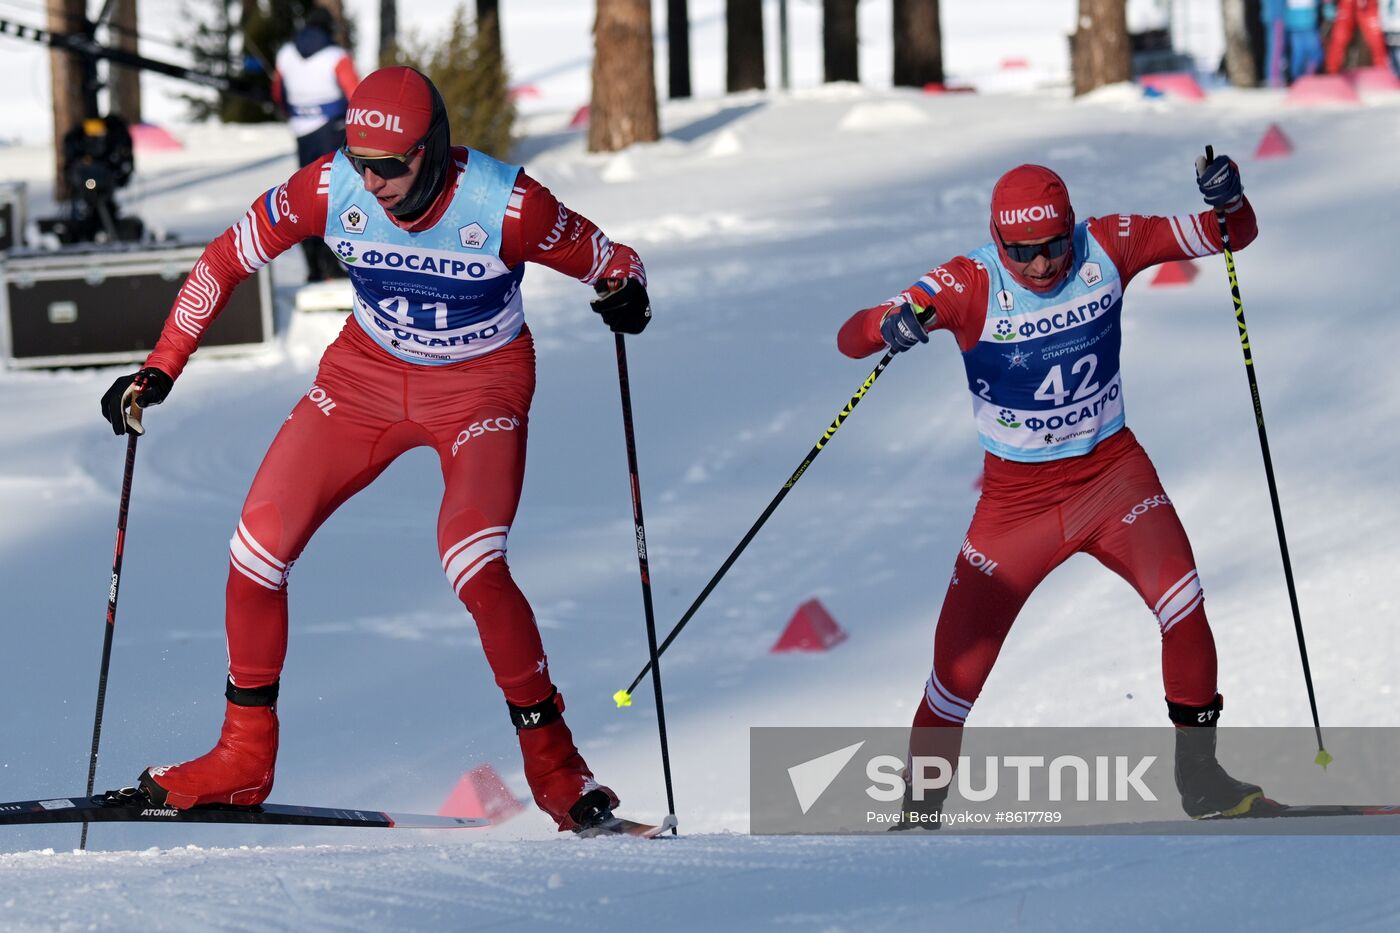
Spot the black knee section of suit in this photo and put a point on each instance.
(252, 696)
(546, 711)
(1208, 715)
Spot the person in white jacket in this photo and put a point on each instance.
(312, 83)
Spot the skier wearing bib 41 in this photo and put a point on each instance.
(435, 354)
(1036, 314)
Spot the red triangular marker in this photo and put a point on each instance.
(1321, 89)
(811, 628)
(482, 793)
(1274, 145)
(1181, 85)
(580, 118)
(1176, 272)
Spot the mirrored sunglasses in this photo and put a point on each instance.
(385, 166)
(1051, 249)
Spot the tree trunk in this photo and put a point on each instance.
(126, 82)
(388, 33)
(678, 49)
(488, 22)
(66, 85)
(1099, 50)
(918, 43)
(1240, 65)
(840, 56)
(743, 21)
(623, 110)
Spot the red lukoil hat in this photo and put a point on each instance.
(390, 110)
(1031, 202)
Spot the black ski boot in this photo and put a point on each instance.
(592, 814)
(920, 814)
(1206, 789)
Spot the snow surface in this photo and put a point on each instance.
(764, 220)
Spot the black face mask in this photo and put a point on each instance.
(437, 154)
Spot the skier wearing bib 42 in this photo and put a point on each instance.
(435, 354)
(1036, 314)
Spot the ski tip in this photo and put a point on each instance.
(622, 698)
(1323, 758)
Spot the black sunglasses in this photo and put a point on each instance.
(1051, 249)
(385, 166)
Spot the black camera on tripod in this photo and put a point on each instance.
(97, 163)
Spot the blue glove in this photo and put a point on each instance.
(902, 329)
(1219, 181)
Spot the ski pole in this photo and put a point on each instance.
(624, 697)
(113, 588)
(624, 386)
(1323, 758)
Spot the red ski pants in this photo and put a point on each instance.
(1350, 15)
(364, 410)
(1031, 517)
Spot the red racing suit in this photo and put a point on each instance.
(367, 407)
(1032, 516)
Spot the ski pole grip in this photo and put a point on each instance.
(133, 419)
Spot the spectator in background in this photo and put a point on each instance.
(1291, 30)
(1390, 22)
(312, 83)
(1348, 15)
(1304, 43)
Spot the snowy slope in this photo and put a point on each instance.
(764, 220)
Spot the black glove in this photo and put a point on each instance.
(1219, 181)
(145, 387)
(902, 329)
(626, 310)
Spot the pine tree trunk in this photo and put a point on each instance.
(66, 85)
(388, 33)
(623, 110)
(677, 49)
(126, 82)
(744, 45)
(840, 56)
(1099, 49)
(488, 23)
(918, 43)
(1240, 66)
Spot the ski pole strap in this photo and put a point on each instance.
(252, 696)
(546, 711)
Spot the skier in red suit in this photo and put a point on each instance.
(436, 354)
(1037, 316)
(1351, 14)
